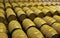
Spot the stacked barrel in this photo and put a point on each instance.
(14, 26)
(3, 22)
(29, 19)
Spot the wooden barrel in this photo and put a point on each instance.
(56, 26)
(39, 22)
(2, 5)
(3, 28)
(27, 23)
(34, 33)
(49, 20)
(19, 33)
(14, 4)
(37, 12)
(13, 25)
(20, 13)
(49, 31)
(10, 14)
(3, 35)
(7, 5)
(57, 18)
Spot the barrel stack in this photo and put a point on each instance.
(29, 19)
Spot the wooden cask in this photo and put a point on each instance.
(13, 25)
(10, 14)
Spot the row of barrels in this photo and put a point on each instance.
(30, 0)
(47, 10)
(29, 22)
(28, 4)
(3, 24)
(36, 3)
(30, 26)
(39, 5)
(34, 25)
(47, 25)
